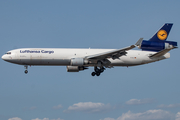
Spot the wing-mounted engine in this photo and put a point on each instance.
(77, 64)
(78, 61)
(75, 68)
(157, 46)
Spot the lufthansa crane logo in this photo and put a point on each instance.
(162, 34)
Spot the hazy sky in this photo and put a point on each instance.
(147, 92)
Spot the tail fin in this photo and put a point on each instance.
(158, 41)
(162, 34)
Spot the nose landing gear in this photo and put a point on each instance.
(26, 67)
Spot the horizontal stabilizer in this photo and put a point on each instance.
(161, 53)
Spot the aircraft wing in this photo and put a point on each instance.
(114, 54)
(110, 54)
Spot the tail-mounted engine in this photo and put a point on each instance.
(157, 46)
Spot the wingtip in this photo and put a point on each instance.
(138, 43)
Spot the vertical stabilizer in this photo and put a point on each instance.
(162, 34)
(158, 41)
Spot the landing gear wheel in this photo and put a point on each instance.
(97, 70)
(26, 71)
(98, 73)
(26, 67)
(93, 73)
(102, 70)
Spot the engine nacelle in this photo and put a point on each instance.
(75, 68)
(78, 62)
(156, 46)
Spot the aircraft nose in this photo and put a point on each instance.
(4, 57)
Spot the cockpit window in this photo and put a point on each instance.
(8, 53)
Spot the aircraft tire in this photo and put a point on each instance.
(102, 70)
(93, 73)
(98, 73)
(26, 71)
(97, 70)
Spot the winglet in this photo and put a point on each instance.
(138, 43)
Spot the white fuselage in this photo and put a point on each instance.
(62, 57)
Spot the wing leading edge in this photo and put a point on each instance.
(115, 53)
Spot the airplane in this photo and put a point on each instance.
(152, 50)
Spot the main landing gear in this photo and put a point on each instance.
(97, 71)
(26, 67)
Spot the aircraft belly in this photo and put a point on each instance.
(131, 59)
(116, 62)
(42, 61)
(50, 62)
(127, 62)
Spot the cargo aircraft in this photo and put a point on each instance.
(152, 50)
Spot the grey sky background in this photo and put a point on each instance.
(148, 92)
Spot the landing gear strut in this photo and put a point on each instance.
(97, 71)
(26, 67)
